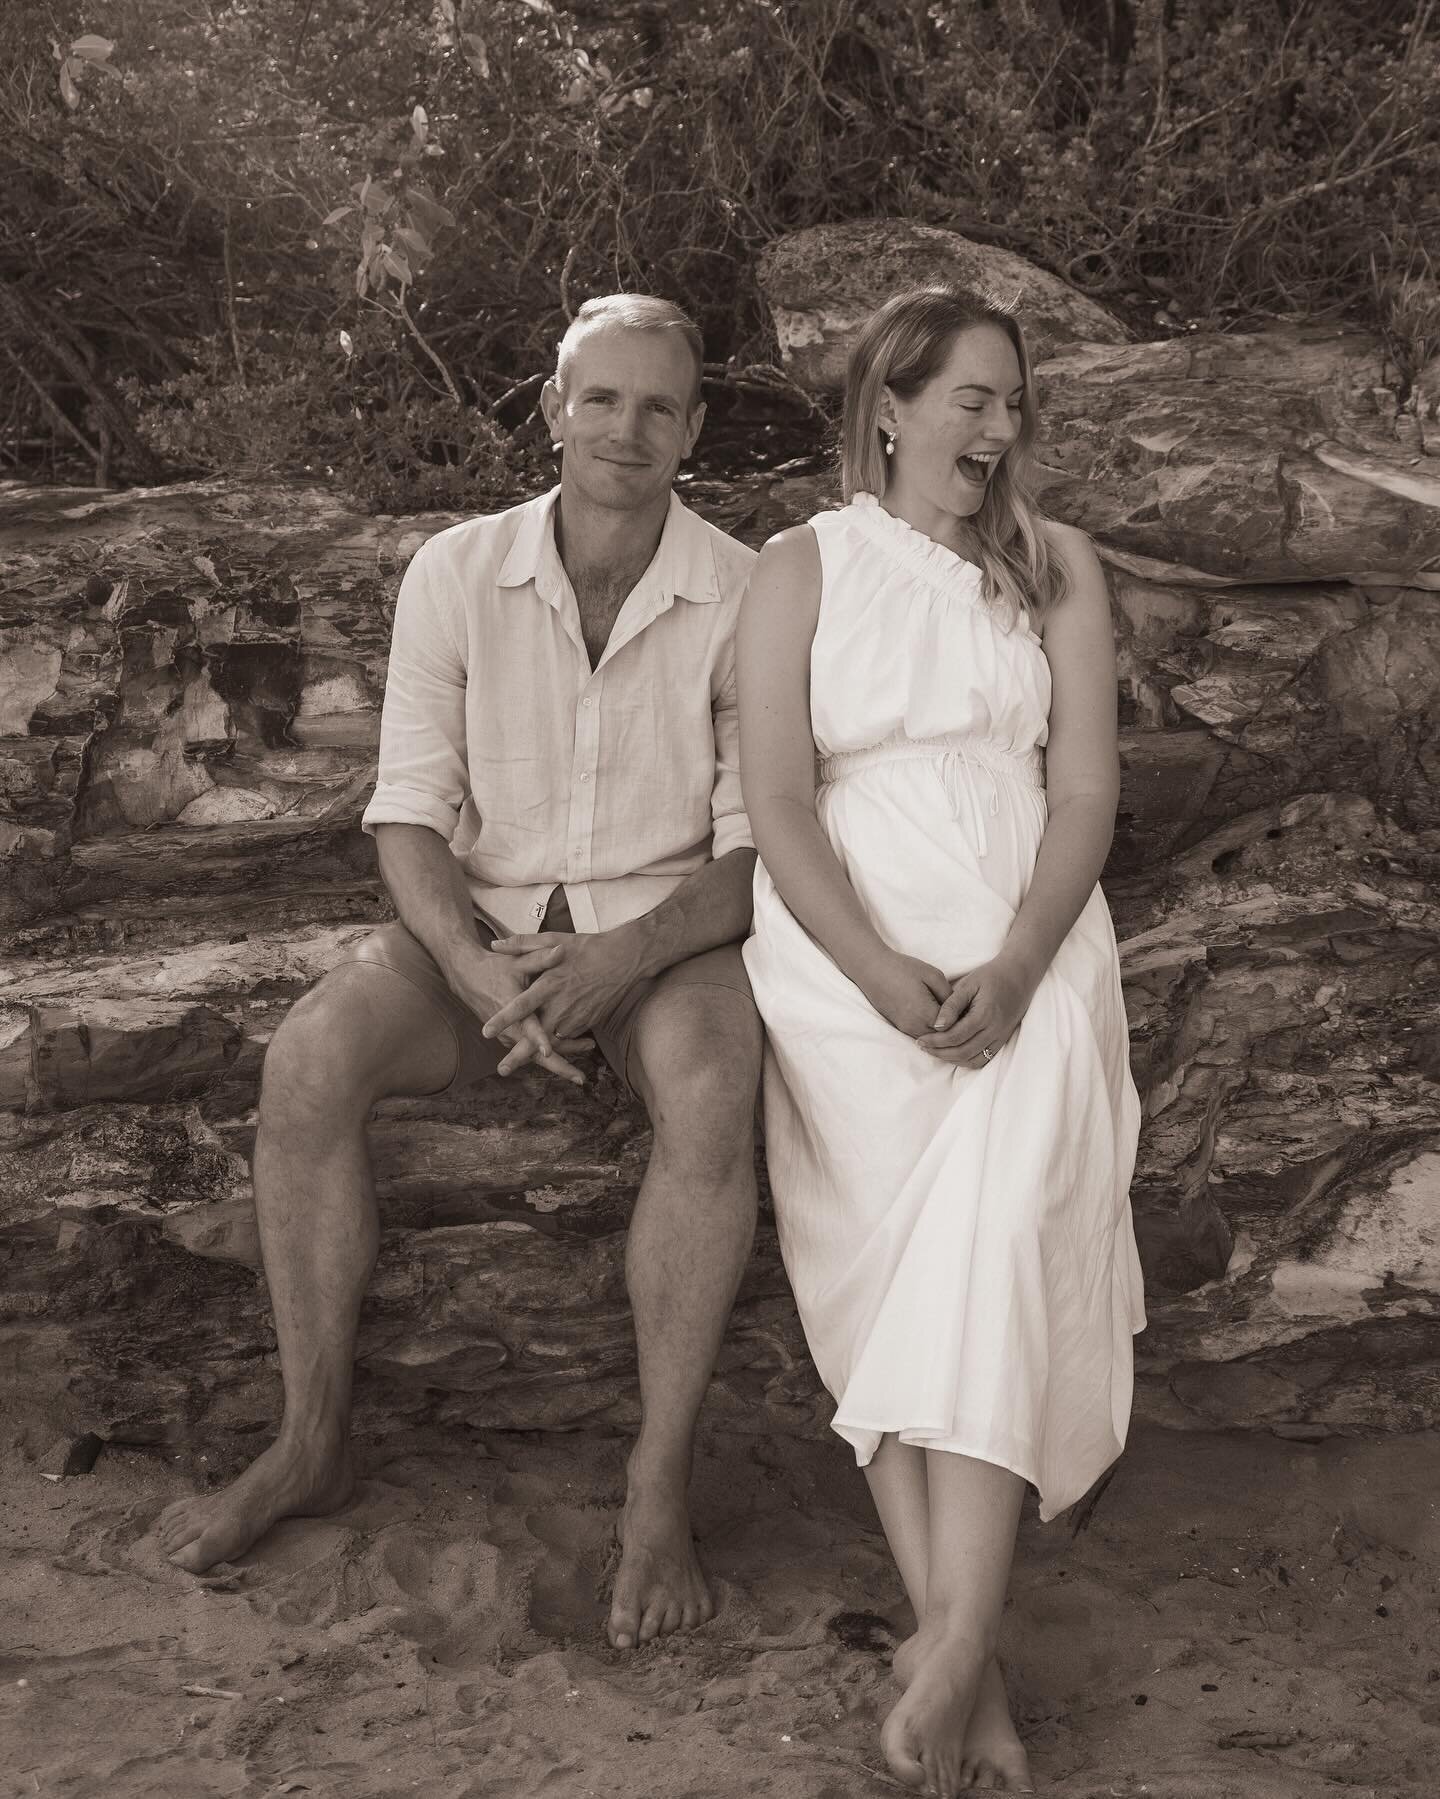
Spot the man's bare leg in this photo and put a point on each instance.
(363, 1034)
(698, 1053)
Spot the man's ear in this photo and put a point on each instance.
(693, 424)
(552, 405)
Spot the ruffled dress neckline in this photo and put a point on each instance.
(934, 561)
(943, 570)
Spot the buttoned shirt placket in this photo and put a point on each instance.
(643, 605)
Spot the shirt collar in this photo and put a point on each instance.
(683, 568)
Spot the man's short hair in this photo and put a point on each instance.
(631, 312)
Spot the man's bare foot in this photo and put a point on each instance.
(924, 1737)
(282, 1483)
(658, 1585)
(995, 1759)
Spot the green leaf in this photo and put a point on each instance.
(339, 213)
(477, 55)
(427, 214)
(92, 47)
(69, 93)
(397, 265)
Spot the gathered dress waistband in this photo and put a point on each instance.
(958, 762)
(1027, 766)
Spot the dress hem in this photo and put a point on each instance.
(913, 1435)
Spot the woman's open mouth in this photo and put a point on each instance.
(977, 468)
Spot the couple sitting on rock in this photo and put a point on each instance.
(917, 697)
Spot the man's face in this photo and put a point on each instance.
(627, 417)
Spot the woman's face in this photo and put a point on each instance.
(951, 434)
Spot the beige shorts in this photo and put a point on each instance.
(477, 1056)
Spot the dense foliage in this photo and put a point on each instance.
(343, 235)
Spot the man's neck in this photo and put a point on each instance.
(598, 542)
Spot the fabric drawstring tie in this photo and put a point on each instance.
(958, 762)
(960, 775)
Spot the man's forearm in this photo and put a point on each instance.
(428, 887)
(710, 907)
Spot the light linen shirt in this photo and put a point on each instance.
(614, 783)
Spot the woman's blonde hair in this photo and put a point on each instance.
(902, 346)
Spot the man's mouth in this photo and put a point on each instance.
(978, 467)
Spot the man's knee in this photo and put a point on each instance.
(322, 1061)
(706, 1078)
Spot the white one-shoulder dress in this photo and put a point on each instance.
(959, 1240)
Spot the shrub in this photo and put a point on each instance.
(445, 180)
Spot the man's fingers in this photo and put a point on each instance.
(556, 1064)
(537, 1048)
(515, 1011)
(523, 943)
(536, 961)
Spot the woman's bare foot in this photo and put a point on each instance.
(658, 1586)
(282, 1483)
(924, 1737)
(995, 1759)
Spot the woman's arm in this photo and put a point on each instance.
(1082, 783)
(777, 774)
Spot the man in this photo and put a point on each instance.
(559, 824)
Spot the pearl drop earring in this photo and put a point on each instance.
(890, 443)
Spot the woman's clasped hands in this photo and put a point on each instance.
(965, 1021)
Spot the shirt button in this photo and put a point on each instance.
(587, 701)
(586, 775)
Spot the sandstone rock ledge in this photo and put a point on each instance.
(189, 689)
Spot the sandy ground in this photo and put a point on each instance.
(1239, 1615)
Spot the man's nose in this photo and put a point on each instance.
(626, 419)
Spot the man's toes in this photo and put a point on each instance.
(624, 1626)
(193, 1556)
(673, 1615)
(177, 1525)
(650, 1620)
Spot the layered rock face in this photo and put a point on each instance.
(189, 690)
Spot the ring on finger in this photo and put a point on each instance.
(987, 1053)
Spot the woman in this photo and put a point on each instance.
(950, 1118)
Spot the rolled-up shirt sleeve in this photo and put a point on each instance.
(423, 774)
(729, 823)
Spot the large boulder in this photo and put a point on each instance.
(1273, 885)
(1276, 456)
(821, 285)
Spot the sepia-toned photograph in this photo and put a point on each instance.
(719, 899)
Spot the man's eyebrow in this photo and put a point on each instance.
(601, 387)
(979, 387)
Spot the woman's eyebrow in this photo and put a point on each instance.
(979, 387)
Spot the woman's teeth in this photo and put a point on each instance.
(979, 466)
